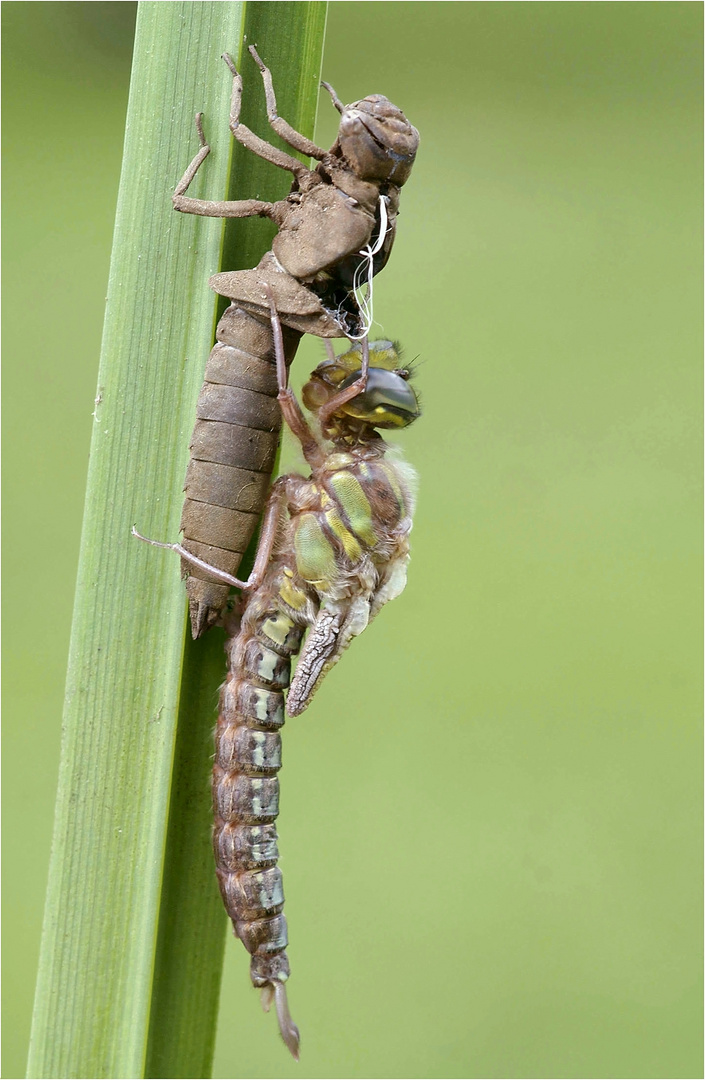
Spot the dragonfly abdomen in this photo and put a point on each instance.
(247, 760)
(233, 447)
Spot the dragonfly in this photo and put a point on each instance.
(335, 232)
(333, 550)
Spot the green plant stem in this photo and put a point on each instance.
(133, 933)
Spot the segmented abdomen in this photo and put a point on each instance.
(233, 448)
(247, 759)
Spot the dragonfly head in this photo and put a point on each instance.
(389, 400)
(377, 140)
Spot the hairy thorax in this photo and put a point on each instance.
(347, 516)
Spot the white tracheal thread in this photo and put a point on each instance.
(362, 278)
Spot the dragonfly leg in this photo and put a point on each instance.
(209, 207)
(289, 134)
(268, 533)
(193, 559)
(200, 157)
(344, 396)
(265, 544)
(291, 410)
(253, 142)
(334, 97)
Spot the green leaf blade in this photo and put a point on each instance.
(107, 1002)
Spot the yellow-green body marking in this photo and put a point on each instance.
(339, 554)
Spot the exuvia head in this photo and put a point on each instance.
(377, 140)
(389, 401)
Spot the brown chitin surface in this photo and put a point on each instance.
(247, 759)
(338, 222)
(233, 448)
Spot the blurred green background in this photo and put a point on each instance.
(492, 826)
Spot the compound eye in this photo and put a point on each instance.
(388, 401)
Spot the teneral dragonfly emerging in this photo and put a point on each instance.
(333, 550)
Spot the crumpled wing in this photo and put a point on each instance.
(327, 640)
(298, 307)
(393, 582)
